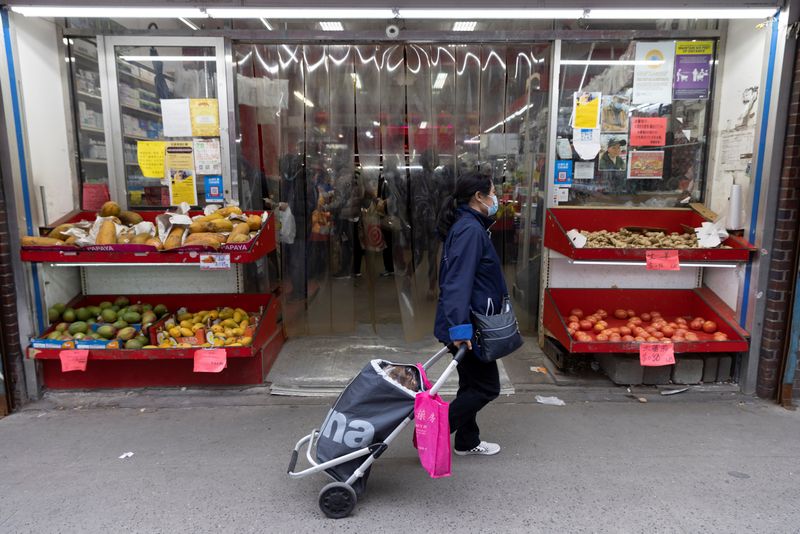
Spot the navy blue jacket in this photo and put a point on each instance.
(469, 276)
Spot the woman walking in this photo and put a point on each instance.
(470, 278)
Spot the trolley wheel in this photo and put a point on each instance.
(337, 500)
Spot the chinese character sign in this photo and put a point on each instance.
(692, 76)
(648, 131)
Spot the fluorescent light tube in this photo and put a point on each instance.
(189, 23)
(687, 13)
(301, 97)
(331, 26)
(266, 23)
(484, 14)
(440, 79)
(464, 26)
(168, 58)
(356, 80)
(612, 62)
(299, 13)
(108, 12)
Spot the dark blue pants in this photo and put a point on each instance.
(478, 385)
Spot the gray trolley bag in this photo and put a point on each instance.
(366, 412)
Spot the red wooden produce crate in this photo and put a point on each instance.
(671, 303)
(262, 244)
(559, 221)
(126, 368)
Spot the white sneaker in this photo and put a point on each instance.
(484, 448)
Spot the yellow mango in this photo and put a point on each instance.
(218, 342)
(235, 345)
(175, 331)
(229, 342)
(254, 222)
(237, 331)
(198, 326)
(214, 314)
(186, 332)
(228, 332)
(206, 345)
(247, 340)
(237, 317)
(230, 323)
(186, 323)
(244, 324)
(217, 328)
(184, 316)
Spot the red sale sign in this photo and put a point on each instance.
(73, 360)
(662, 260)
(655, 354)
(648, 131)
(210, 360)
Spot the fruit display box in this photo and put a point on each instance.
(559, 221)
(263, 243)
(670, 303)
(124, 368)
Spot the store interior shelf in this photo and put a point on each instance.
(671, 303)
(561, 220)
(172, 366)
(96, 161)
(92, 129)
(89, 96)
(141, 110)
(263, 243)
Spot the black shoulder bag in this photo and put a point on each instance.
(497, 335)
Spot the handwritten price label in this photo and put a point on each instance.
(662, 260)
(73, 360)
(210, 360)
(656, 354)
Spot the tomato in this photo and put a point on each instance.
(593, 319)
(646, 317)
(577, 312)
(680, 332)
(696, 324)
(620, 314)
(691, 336)
(585, 325)
(709, 327)
(601, 313)
(655, 314)
(668, 331)
(640, 339)
(625, 330)
(659, 335)
(575, 326)
(571, 332)
(599, 328)
(720, 336)
(573, 319)
(627, 338)
(602, 337)
(677, 339)
(666, 340)
(636, 320)
(631, 313)
(680, 320)
(652, 339)
(651, 330)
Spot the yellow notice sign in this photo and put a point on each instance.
(150, 155)
(204, 113)
(586, 110)
(180, 172)
(694, 47)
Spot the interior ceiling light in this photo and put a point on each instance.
(266, 23)
(301, 97)
(109, 12)
(687, 13)
(440, 79)
(356, 80)
(331, 26)
(423, 125)
(483, 14)
(168, 58)
(189, 23)
(464, 26)
(612, 62)
(300, 13)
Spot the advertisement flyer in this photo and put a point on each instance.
(214, 189)
(175, 117)
(150, 156)
(563, 172)
(586, 110)
(692, 69)
(652, 73)
(207, 156)
(648, 131)
(204, 113)
(586, 142)
(647, 165)
(179, 164)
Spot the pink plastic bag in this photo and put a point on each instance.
(432, 431)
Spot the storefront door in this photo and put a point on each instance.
(363, 143)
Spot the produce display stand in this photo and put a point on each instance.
(262, 244)
(617, 278)
(145, 274)
(670, 303)
(559, 221)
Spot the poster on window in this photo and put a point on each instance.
(652, 72)
(648, 131)
(646, 165)
(614, 117)
(692, 70)
(180, 174)
(586, 110)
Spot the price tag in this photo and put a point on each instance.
(662, 260)
(73, 360)
(577, 238)
(655, 354)
(210, 360)
(215, 262)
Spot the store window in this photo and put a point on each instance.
(363, 143)
(633, 122)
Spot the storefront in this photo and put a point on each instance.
(347, 136)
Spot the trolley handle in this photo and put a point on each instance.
(462, 350)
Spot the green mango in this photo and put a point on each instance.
(115, 308)
(62, 327)
(127, 333)
(82, 314)
(160, 310)
(55, 334)
(122, 301)
(132, 317)
(133, 344)
(107, 331)
(121, 312)
(149, 317)
(119, 324)
(80, 335)
(59, 307)
(95, 310)
(68, 315)
(109, 315)
(53, 315)
(147, 307)
(105, 304)
(135, 308)
(91, 320)
(142, 339)
(78, 327)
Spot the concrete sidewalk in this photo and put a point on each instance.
(671, 465)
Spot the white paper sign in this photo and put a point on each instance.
(586, 142)
(652, 73)
(563, 148)
(577, 238)
(584, 170)
(176, 117)
(563, 194)
(207, 158)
